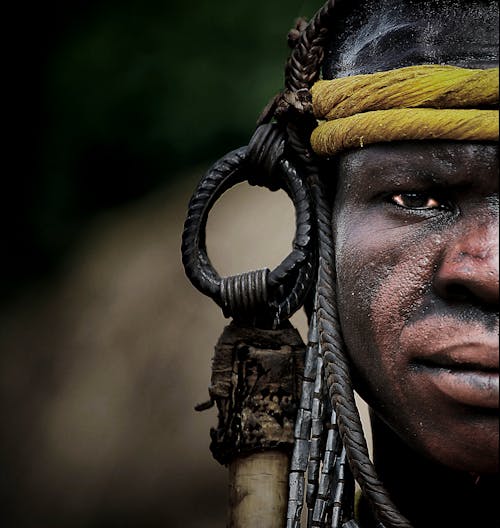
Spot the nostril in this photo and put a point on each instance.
(457, 292)
(472, 288)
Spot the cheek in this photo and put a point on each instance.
(383, 277)
(398, 297)
(362, 264)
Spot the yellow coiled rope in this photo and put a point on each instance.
(417, 102)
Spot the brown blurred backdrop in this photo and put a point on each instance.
(115, 110)
(102, 367)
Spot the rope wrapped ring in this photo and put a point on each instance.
(265, 297)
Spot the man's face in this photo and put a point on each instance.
(416, 236)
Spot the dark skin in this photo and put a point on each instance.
(416, 236)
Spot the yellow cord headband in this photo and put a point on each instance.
(417, 102)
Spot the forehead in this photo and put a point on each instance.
(442, 164)
(377, 36)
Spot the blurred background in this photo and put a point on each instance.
(113, 112)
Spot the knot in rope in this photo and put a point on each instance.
(294, 104)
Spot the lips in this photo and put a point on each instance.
(460, 360)
(469, 387)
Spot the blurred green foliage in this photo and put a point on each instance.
(123, 97)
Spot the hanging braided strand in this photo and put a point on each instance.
(303, 69)
(303, 66)
(308, 50)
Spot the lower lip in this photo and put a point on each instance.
(479, 389)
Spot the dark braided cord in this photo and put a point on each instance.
(337, 369)
(336, 362)
(338, 373)
(303, 69)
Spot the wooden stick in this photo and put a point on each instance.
(258, 490)
(256, 382)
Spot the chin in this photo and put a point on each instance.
(471, 449)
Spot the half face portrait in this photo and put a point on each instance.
(388, 125)
(416, 242)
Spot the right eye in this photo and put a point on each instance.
(416, 201)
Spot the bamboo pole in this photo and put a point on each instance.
(258, 490)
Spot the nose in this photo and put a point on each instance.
(469, 268)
